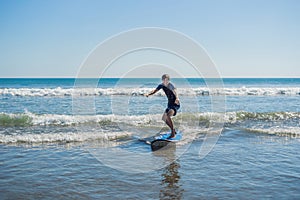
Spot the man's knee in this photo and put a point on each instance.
(164, 117)
(171, 113)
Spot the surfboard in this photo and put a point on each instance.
(165, 136)
(145, 140)
(163, 140)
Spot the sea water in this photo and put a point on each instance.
(45, 139)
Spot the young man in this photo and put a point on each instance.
(173, 101)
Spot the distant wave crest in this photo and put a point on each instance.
(200, 91)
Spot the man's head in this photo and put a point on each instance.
(165, 79)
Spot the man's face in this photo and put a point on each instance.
(165, 81)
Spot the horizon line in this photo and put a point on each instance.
(72, 77)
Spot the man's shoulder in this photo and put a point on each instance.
(159, 86)
(171, 86)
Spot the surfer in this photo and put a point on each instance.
(173, 101)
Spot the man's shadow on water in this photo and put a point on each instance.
(170, 183)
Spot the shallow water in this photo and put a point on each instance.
(49, 152)
(242, 165)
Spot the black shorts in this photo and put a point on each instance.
(174, 107)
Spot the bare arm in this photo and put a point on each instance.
(151, 93)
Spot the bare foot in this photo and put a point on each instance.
(172, 134)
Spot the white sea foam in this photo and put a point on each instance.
(192, 124)
(280, 131)
(68, 120)
(31, 119)
(64, 137)
(60, 92)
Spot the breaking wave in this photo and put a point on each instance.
(279, 131)
(31, 119)
(201, 91)
(63, 137)
(278, 123)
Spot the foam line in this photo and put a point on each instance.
(201, 91)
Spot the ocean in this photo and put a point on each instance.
(66, 141)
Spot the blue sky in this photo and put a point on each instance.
(244, 38)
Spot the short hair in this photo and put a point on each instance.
(165, 76)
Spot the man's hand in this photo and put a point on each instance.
(146, 95)
(177, 101)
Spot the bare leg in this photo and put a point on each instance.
(167, 118)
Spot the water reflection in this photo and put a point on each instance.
(170, 182)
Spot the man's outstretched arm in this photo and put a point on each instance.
(151, 93)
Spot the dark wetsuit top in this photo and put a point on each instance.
(170, 95)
